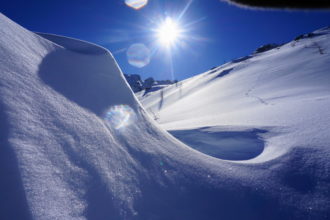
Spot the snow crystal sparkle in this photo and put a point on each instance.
(119, 116)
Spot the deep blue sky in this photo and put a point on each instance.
(219, 33)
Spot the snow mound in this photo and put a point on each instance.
(76, 144)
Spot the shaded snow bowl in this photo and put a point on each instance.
(222, 144)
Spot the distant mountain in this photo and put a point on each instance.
(147, 85)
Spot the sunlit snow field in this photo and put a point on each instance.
(247, 140)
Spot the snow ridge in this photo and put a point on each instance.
(74, 44)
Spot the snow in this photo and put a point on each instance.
(77, 144)
(284, 88)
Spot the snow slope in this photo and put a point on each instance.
(76, 144)
(285, 90)
(257, 109)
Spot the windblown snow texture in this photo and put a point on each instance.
(76, 144)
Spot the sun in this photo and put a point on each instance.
(168, 32)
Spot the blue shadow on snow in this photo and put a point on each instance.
(228, 145)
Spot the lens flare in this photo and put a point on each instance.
(138, 55)
(136, 4)
(119, 116)
(168, 32)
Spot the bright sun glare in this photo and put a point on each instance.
(168, 32)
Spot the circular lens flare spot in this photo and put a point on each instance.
(138, 55)
(119, 116)
(168, 32)
(136, 4)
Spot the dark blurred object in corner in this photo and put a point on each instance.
(289, 4)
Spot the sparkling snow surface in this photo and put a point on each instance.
(76, 144)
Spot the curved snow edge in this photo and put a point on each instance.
(75, 45)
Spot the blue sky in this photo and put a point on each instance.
(215, 31)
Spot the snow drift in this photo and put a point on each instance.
(76, 144)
